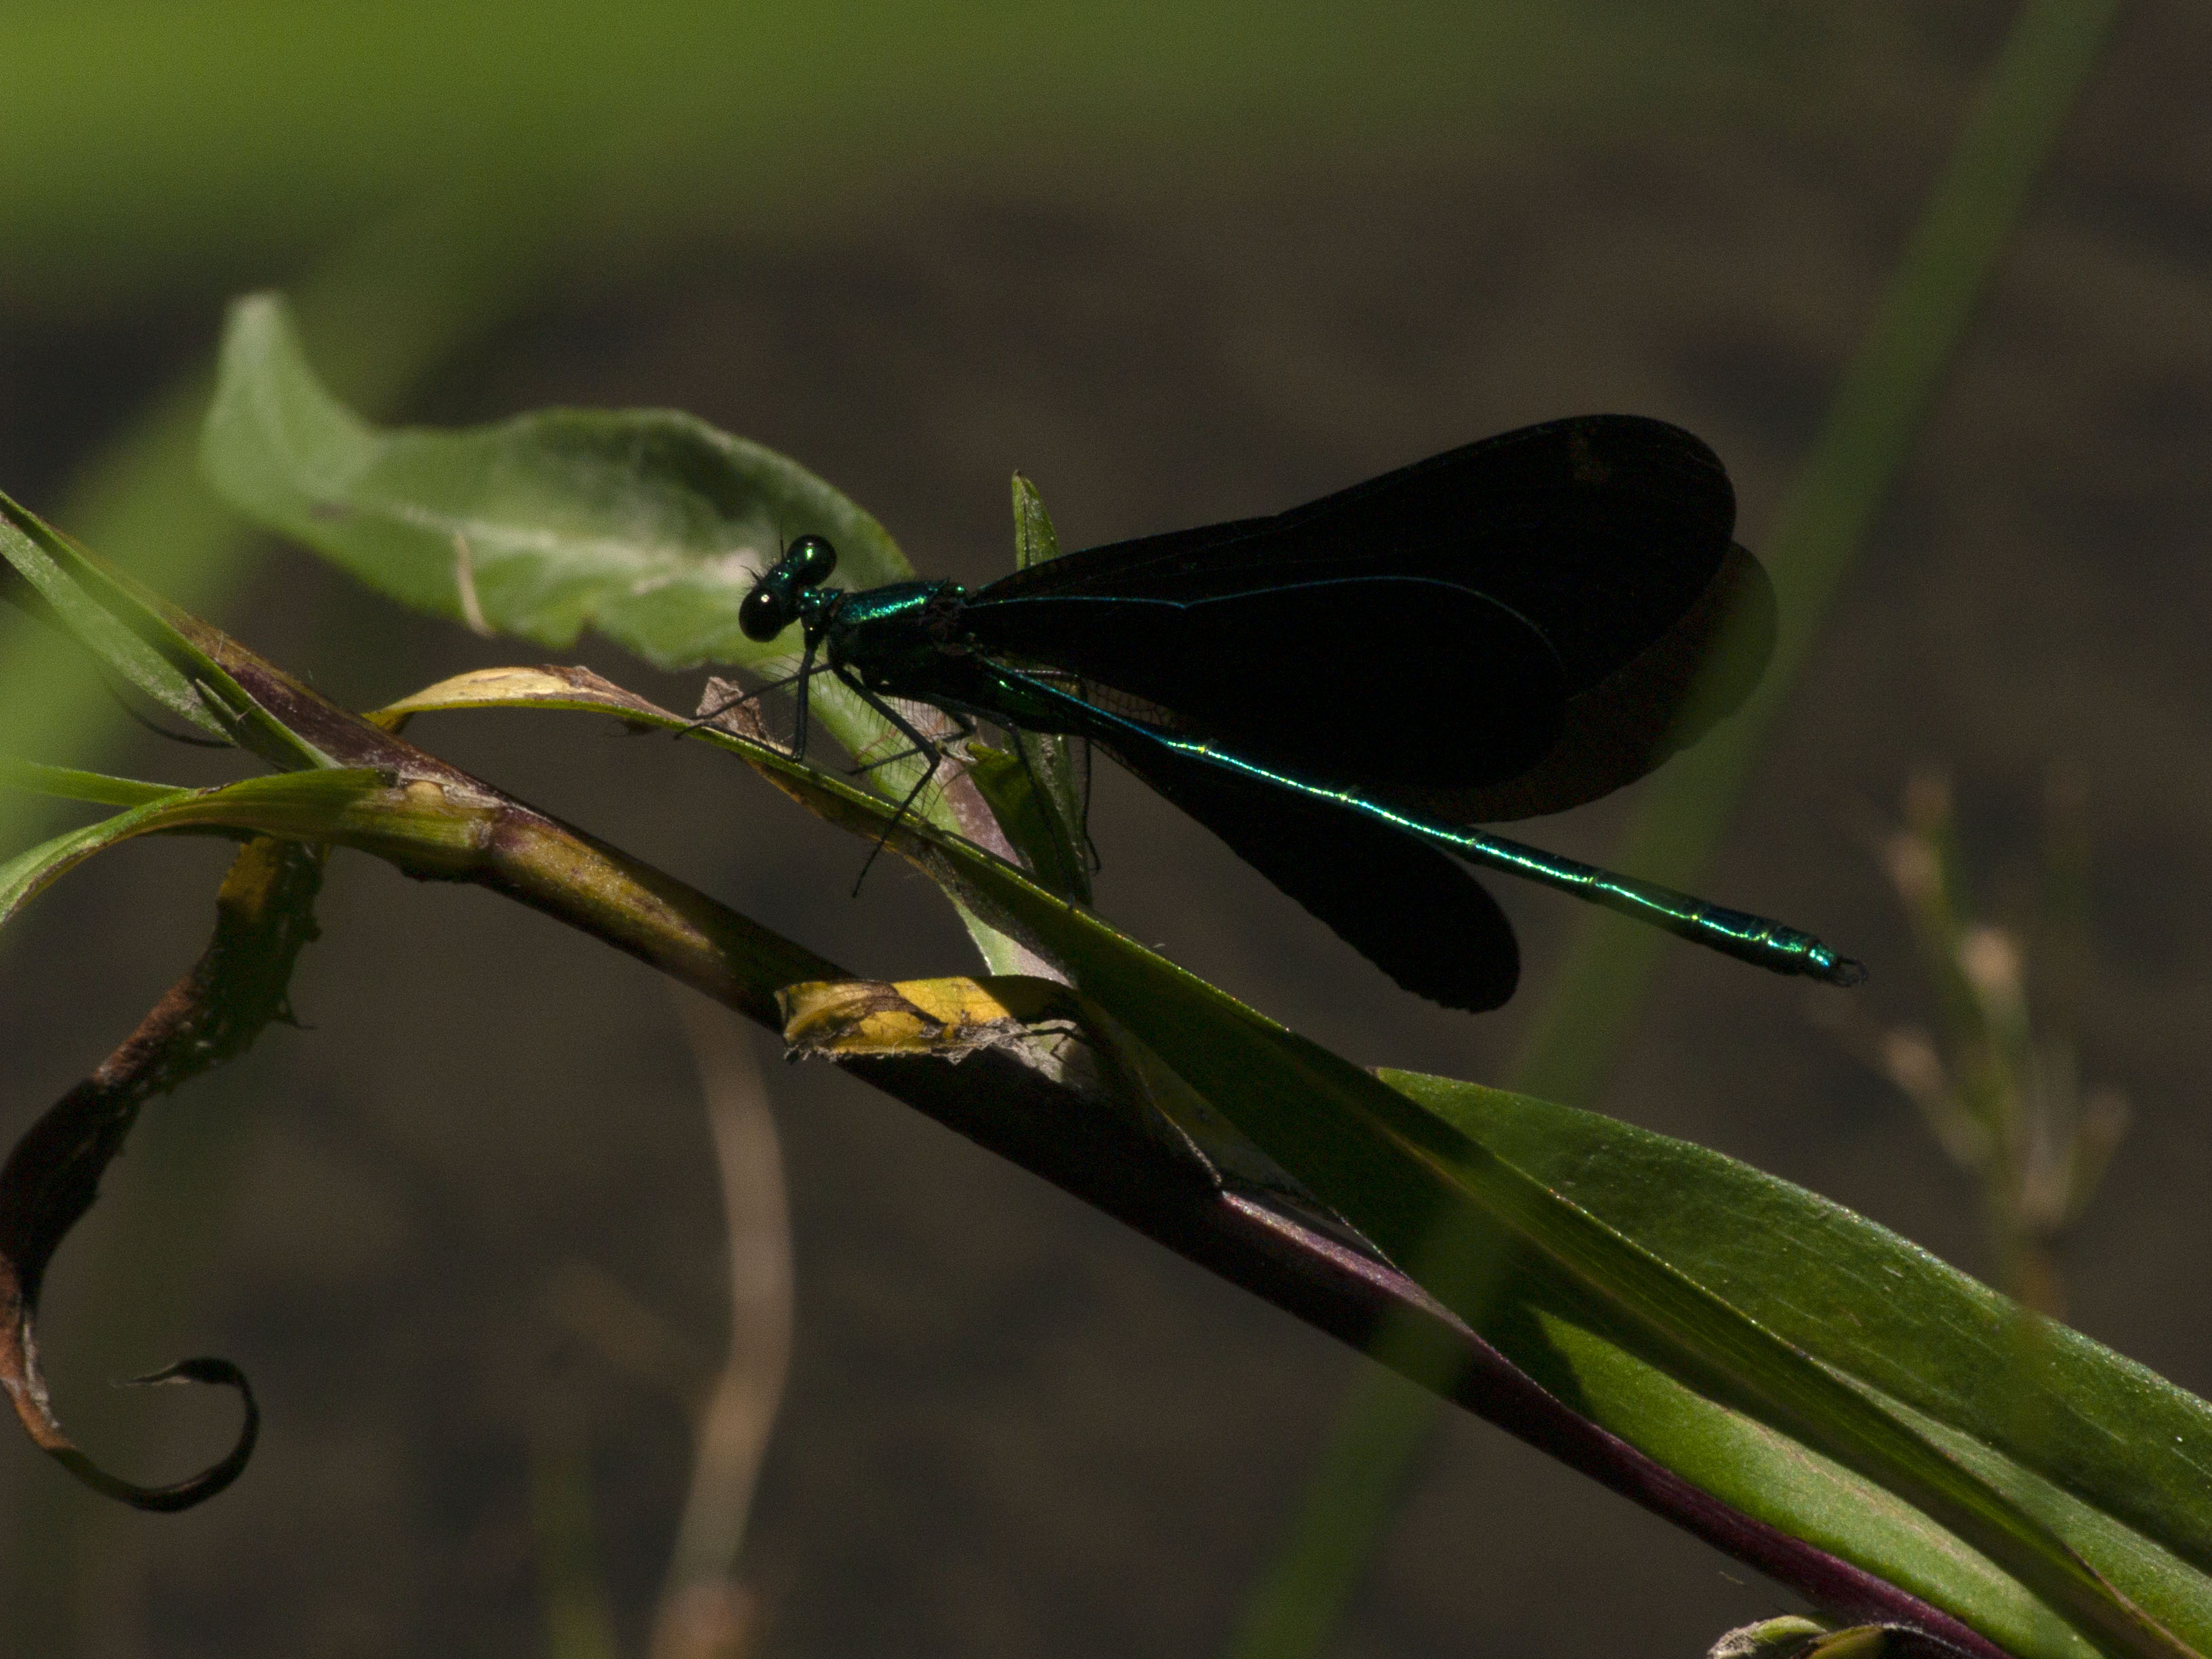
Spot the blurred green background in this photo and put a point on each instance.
(1176, 264)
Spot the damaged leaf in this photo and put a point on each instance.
(949, 1019)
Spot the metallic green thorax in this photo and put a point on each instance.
(907, 640)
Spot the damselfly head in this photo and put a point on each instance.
(774, 604)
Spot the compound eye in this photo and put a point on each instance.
(811, 560)
(764, 614)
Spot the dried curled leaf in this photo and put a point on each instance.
(265, 918)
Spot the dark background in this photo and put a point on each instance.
(1173, 280)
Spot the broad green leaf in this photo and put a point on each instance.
(647, 525)
(2119, 1444)
(1636, 1342)
(1401, 1179)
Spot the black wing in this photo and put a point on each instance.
(1605, 536)
(1413, 912)
(1655, 705)
(1374, 680)
(1601, 531)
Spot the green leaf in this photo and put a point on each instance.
(64, 783)
(295, 806)
(1040, 798)
(2100, 1449)
(42, 562)
(30, 872)
(648, 526)
(1034, 539)
(1647, 1348)
(1022, 799)
(139, 638)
